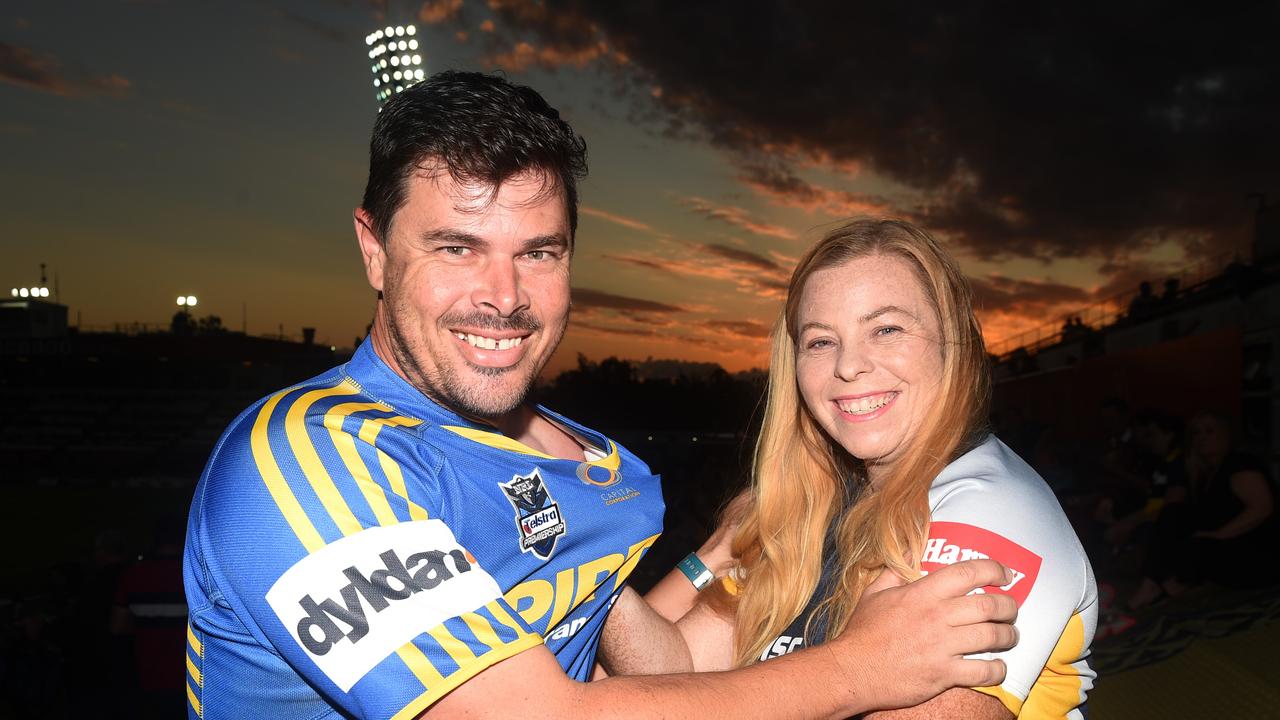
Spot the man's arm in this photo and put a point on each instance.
(902, 647)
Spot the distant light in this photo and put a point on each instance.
(368, 39)
(404, 59)
(417, 59)
(44, 292)
(378, 35)
(182, 299)
(191, 300)
(395, 60)
(14, 292)
(382, 63)
(24, 292)
(409, 29)
(333, 348)
(376, 82)
(35, 292)
(650, 437)
(695, 438)
(418, 74)
(399, 88)
(399, 31)
(389, 30)
(413, 44)
(386, 77)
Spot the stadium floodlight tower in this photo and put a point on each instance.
(394, 60)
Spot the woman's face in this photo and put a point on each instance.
(867, 358)
(1209, 437)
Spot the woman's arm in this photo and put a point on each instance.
(1250, 486)
(674, 595)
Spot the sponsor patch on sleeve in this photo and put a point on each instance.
(952, 542)
(355, 601)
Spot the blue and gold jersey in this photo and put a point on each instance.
(355, 549)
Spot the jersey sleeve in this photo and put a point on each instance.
(1050, 577)
(319, 527)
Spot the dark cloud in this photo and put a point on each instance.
(737, 217)
(743, 256)
(1038, 130)
(319, 29)
(586, 298)
(751, 272)
(43, 72)
(741, 328)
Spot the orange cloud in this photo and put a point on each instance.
(615, 219)
(434, 12)
(737, 217)
(750, 272)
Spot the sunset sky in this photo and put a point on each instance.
(155, 148)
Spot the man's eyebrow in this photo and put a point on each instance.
(885, 310)
(453, 237)
(545, 241)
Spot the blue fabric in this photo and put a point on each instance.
(334, 507)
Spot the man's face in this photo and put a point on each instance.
(475, 287)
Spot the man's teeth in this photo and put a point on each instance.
(488, 343)
(862, 406)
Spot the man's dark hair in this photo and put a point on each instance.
(482, 129)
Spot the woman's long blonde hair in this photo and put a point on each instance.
(803, 481)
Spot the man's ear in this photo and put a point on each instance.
(372, 251)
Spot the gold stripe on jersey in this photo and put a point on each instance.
(195, 701)
(369, 431)
(481, 628)
(463, 674)
(279, 488)
(195, 672)
(461, 653)
(1057, 690)
(420, 665)
(346, 446)
(195, 641)
(295, 427)
(496, 440)
(501, 615)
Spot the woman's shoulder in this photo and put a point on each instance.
(991, 466)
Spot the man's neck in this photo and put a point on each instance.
(524, 424)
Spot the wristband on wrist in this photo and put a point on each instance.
(697, 571)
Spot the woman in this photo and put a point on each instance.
(1221, 527)
(874, 456)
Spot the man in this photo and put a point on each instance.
(404, 536)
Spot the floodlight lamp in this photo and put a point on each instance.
(182, 300)
(376, 82)
(395, 60)
(418, 74)
(399, 88)
(35, 292)
(399, 30)
(44, 292)
(386, 77)
(404, 59)
(368, 39)
(377, 35)
(409, 29)
(24, 292)
(389, 31)
(382, 62)
(413, 44)
(417, 59)
(191, 300)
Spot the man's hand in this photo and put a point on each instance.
(913, 638)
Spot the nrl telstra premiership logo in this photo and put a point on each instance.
(537, 514)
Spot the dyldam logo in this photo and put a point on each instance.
(396, 580)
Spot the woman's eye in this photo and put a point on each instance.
(888, 330)
(818, 344)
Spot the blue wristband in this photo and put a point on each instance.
(697, 571)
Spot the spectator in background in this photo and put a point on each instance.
(1221, 529)
(151, 610)
(1162, 466)
(1144, 304)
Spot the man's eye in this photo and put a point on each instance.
(537, 254)
(455, 250)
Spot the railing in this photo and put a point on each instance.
(1105, 312)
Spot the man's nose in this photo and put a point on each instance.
(498, 288)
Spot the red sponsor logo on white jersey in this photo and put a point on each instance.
(951, 542)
